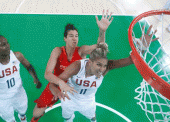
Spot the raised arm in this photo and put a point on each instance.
(145, 39)
(29, 67)
(103, 24)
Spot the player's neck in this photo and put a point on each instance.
(70, 50)
(4, 59)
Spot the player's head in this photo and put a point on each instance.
(69, 27)
(71, 35)
(4, 46)
(98, 59)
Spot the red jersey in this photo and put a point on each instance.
(62, 61)
(46, 98)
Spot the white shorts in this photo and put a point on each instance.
(85, 107)
(18, 103)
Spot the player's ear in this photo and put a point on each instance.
(65, 39)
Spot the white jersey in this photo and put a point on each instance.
(10, 80)
(85, 86)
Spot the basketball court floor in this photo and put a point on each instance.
(35, 27)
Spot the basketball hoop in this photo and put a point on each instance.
(150, 62)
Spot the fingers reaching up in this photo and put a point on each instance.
(105, 21)
(147, 38)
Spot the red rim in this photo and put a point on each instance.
(147, 73)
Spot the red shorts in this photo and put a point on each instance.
(46, 98)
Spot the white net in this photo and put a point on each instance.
(156, 106)
(156, 55)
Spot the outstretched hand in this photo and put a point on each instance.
(104, 23)
(59, 95)
(66, 88)
(147, 38)
(38, 83)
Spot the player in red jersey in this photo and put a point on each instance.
(61, 57)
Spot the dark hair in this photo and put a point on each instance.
(1, 36)
(69, 27)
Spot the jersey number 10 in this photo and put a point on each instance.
(11, 82)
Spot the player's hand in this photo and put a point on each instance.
(104, 23)
(147, 38)
(38, 83)
(57, 93)
(66, 88)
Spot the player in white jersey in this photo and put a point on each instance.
(86, 87)
(85, 77)
(12, 94)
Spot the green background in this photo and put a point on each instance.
(37, 35)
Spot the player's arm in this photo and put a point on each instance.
(56, 92)
(144, 41)
(113, 64)
(103, 24)
(71, 70)
(51, 65)
(87, 49)
(29, 67)
(50, 68)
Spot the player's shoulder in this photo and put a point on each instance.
(19, 55)
(57, 50)
(78, 62)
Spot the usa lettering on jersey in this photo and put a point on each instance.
(85, 83)
(8, 71)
